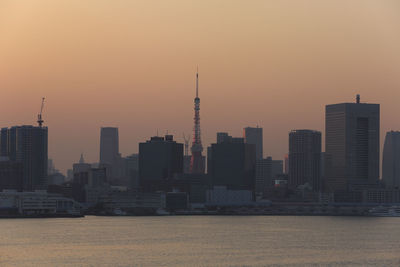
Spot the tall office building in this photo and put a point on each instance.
(232, 163)
(28, 145)
(110, 158)
(305, 158)
(223, 137)
(160, 159)
(132, 170)
(391, 160)
(263, 175)
(254, 136)
(11, 174)
(351, 145)
(4, 142)
(109, 145)
(277, 168)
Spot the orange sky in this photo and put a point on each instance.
(132, 64)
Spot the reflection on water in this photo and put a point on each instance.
(200, 241)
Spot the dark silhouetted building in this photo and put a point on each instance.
(223, 137)
(56, 178)
(176, 201)
(254, 136)
(81, 166)
(391, 160)
(263, 175)
(110, 158)
(232, 163)
(11, 174)
(109, 145)
(287, 164)
(28, 145)
(267, 170)
(160, 159)
(132, 170)
(276, 168)
(186, 163)
(4, 142)
(305, 159)
(351, 146)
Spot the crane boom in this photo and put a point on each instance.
(40, 120)
(186, 140)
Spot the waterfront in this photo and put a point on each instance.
(200, 241)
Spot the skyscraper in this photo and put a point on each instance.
(267, 170)
(160, 159)
(263, 175)
(351, 145)
(28, 145)
(304, 158)
(254, 136)
(4, 142)
(109, 152)
(11, 174)
(391, 160)
(232, 163)
(109, 145)
(197, 163)
(132, 170)
(277, 168)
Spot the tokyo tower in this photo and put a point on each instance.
(197, 162)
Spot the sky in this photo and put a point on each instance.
(131, 64)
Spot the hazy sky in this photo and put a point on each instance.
(131, 64)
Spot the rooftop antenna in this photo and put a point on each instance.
(40, 120)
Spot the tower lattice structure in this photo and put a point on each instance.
(197, 164)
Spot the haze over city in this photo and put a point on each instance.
(132, 65)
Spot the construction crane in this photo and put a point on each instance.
(186, 139)
(40, 120)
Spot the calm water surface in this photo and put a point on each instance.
(200, 241)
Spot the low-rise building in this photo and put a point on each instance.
(220, 195)
(37, 203)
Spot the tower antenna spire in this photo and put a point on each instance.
(197, 82)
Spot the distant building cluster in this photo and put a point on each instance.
(234, 171)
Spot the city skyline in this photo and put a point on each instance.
(260, 64)
(280, 157)
(211, 133)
